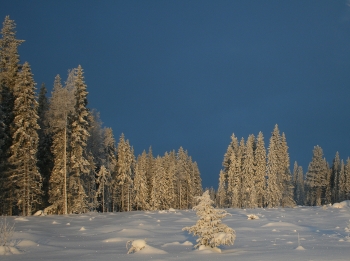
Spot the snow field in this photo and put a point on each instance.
(274, 236)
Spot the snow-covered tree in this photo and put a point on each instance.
(25, 176)
(260, 170)
(140, 189)
(234, 178)
(45, 157)
(248, 192)
(210, 230)
(286, 179)
(316, 177)
(124, 173)
(110, 161)
(342, 182)
(273, 191)
(60, 107)
(9, 68)
(222, 190)
(298, 183)
(335, 177)
(104, 188)
(347, 179)
(79, 165)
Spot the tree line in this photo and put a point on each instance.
(253, 177)
(55, 154)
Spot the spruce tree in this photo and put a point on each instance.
(222, 190)
(110, 161)
(347, 179)
(104, 188)
(316, 177)
(273, 191)
(79, 165)
(141, 195)
(45, 157)
(9, 69)
(286, 179)
(249, 198)
(25, 177)
(124, 173)
(210, 230)
(342, 182)
(260, 170)
(335, 178)
(61, 106)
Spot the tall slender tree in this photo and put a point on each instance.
(25, 175)
(9, 69)
(260, 170)
(45, 157)
(316, 177)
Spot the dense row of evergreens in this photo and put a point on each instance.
(55, 155)
(252, 177)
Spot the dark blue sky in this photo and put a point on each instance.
(191, 73)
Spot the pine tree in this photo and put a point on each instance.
(77, 200)
(260, 170)
(104, 187)
(316, 177)
(141, 194)
(61, 105)
(249, 198)
(335, 178)
(209, 229)
(234, 197)
(110, 161)
(45, 157)
(169, 164)
(124, 173)
(273, 192)
(298, 183)
(347, 179)
(342, 182)
(9, 69)
(286, 181)
(25, 176)
(221, 195)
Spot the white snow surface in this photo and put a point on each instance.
(272, 237)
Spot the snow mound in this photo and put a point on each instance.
(252, 216)
(113, 240)
(140, 245)
(55, 222)
(133, 232)
(26, 243)
(39, 213)
(21, 219)
(151, 250)
(343, 204)
(299, 248)
(82, 229)
(8, 250)
(186, 243)
(207, 249)
(279, 224)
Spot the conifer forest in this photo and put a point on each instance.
(56, 156)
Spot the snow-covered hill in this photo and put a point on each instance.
(95, 236)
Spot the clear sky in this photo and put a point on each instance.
(191, 73)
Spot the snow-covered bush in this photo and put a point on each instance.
(6, 232)
(209, 229)
(135, 245)
(252, 216)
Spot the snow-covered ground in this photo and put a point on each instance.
(94, 236)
